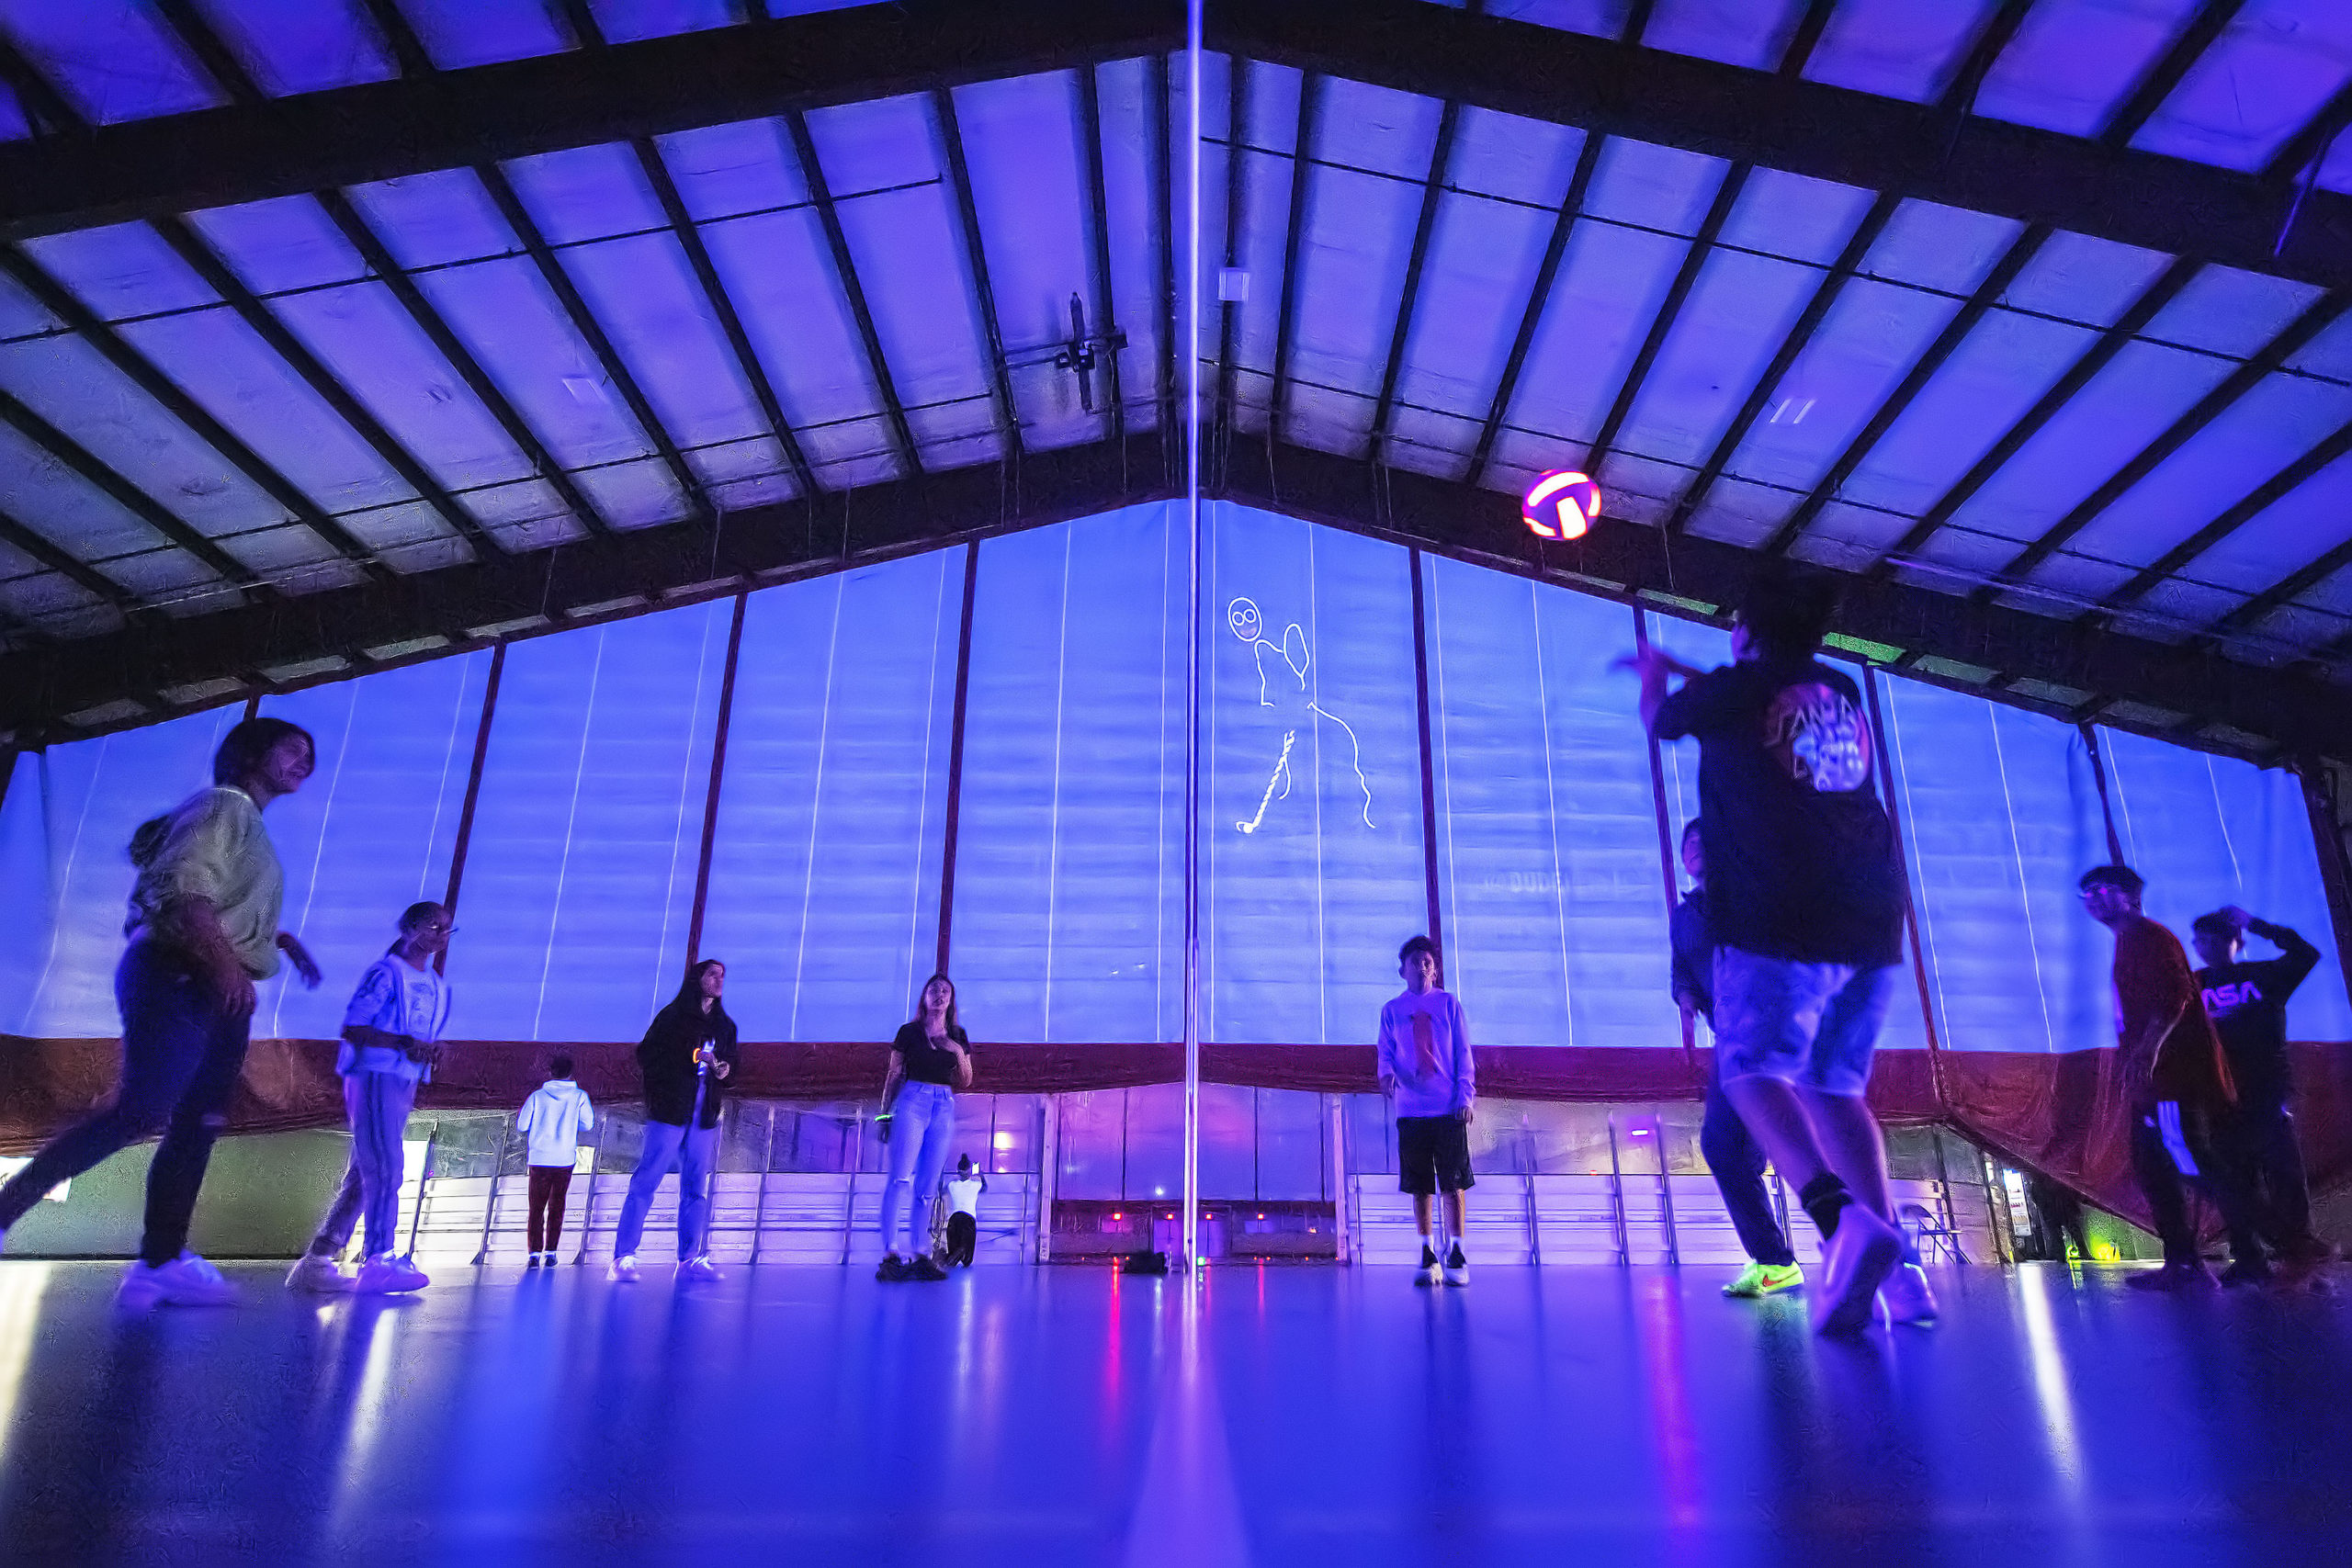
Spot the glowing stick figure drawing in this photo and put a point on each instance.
(1283, 687)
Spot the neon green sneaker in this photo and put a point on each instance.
(1765, 1280)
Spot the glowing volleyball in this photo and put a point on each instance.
(1561, 504)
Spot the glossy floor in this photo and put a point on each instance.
(1039, 1417)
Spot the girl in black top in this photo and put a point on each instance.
(929, 1060)
(687, 1056)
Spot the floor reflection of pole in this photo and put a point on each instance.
(1190, 1242)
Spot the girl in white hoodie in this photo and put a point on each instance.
(552, 1121)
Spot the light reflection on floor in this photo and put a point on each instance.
(1058, 1417)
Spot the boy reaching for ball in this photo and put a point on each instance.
(1427, 1071)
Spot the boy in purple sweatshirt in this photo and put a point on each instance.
(1427, 1070)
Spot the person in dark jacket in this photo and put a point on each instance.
(687, 1056)
(1732, 1156)
(2247, 1002)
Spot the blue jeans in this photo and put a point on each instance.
(692, 1152)
(181, 1055)
(377, 1104)
(922, 1124)
(1737, 1161)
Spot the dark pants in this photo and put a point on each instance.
(181, 1055)
(2206, 1139)
(1737, 1161)
(549, 1184)
(2264, 1137)
(963, 1234)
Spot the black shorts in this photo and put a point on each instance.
(1433, 1154)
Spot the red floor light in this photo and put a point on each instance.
(1561, 504)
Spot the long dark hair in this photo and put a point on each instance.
(954, 1029)
(239, 753)
(689, 996)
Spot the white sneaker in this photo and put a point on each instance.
(317, 1271)
(390, 1276)
(623, 1271)
(1905, 1297)
(1457, 1267)
(1855, 1263)
(699, 1267)
(185, 1280)
(1427, 1271)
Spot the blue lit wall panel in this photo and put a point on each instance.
(1547, 834)
(1311, 820)
(2209, 830)
(2001, 816)
(63, 843)
(824, 874)
(372, 831)
(580, 877)
(1069, 842)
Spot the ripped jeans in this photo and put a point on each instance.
(181, 1055)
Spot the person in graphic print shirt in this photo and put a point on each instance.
(1427, 1072)
(2177, 1088)
(2247, 1002)
(391, 1034)
(1806, 901)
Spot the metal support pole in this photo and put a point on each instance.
(849, 1196)
(423, 1179)
(1617, 1198)
(588, 1210)
(490, 1200)
(1534, 1223)
(1336, 1113)
(1190, 1242)
(1665, 1192)
(1049, 1157)
(759, 1203)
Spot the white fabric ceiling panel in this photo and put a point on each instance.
(1997, 374)
(113, 59)
(457, 33)
(1609, 285)
(646, 297)
(2329, 354)
(122, 270)
(21, 315)
(1733, 322)
(1741, 512)
(1864, 346)
(635, 494)
(1639, 489)
(1789, 215)
(1902, 48)
(1029, 187)
(524, 514)
(1472, 296)
(1940, 247)
(1850, 537)
(586, 193)
(66, 382)
(2175, 609)
(2073, 62)
(289, 242)
(1267, 168)
(2082, 279)
(2228, 312)
(1431, 443)
(1662, 188)
(2293, 628)
(622, 20)
(1327, 419)
(1377, 128)
(13, 127)
(227, 367)
(428, 220)
(776, 269)
(2304, 524)
(2274, 67)
(1754, 33)
(738, 474)
(2255, 437)
(1512, 159)
(503, 314)
(302, 46)
(1351, 260)
(724, 171)
(850, 452)
(1137, 224)
(2142, 389)
(904, 243)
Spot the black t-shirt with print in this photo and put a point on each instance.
(1801, 860)
(2247, 1002)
